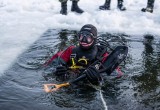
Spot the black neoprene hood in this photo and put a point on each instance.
(89, 28)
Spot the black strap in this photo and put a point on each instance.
(101, 51)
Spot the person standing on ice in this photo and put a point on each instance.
(74, 8)
(107, 3)
(149, 8)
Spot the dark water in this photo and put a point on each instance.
(21, 87)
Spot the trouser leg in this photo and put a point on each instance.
(63, 7)
(150, 3)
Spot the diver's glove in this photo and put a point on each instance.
(60, 71)
(93, 75)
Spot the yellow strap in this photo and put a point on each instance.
(73, 63)
(74, 66)
(83, 59)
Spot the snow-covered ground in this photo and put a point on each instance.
(23, 21)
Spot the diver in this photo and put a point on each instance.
(88, 58)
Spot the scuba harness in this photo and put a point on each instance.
(74, 64)
(82, 62)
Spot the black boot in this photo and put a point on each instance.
(149, 8)
(63, 8)
(75, 7)
(120, 5)
(106, 5)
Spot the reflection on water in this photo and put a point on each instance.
(138, 89)
(148, 82)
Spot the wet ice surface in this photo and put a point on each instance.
(21, 85)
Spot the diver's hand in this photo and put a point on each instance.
(60, 71)
(93, 75)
